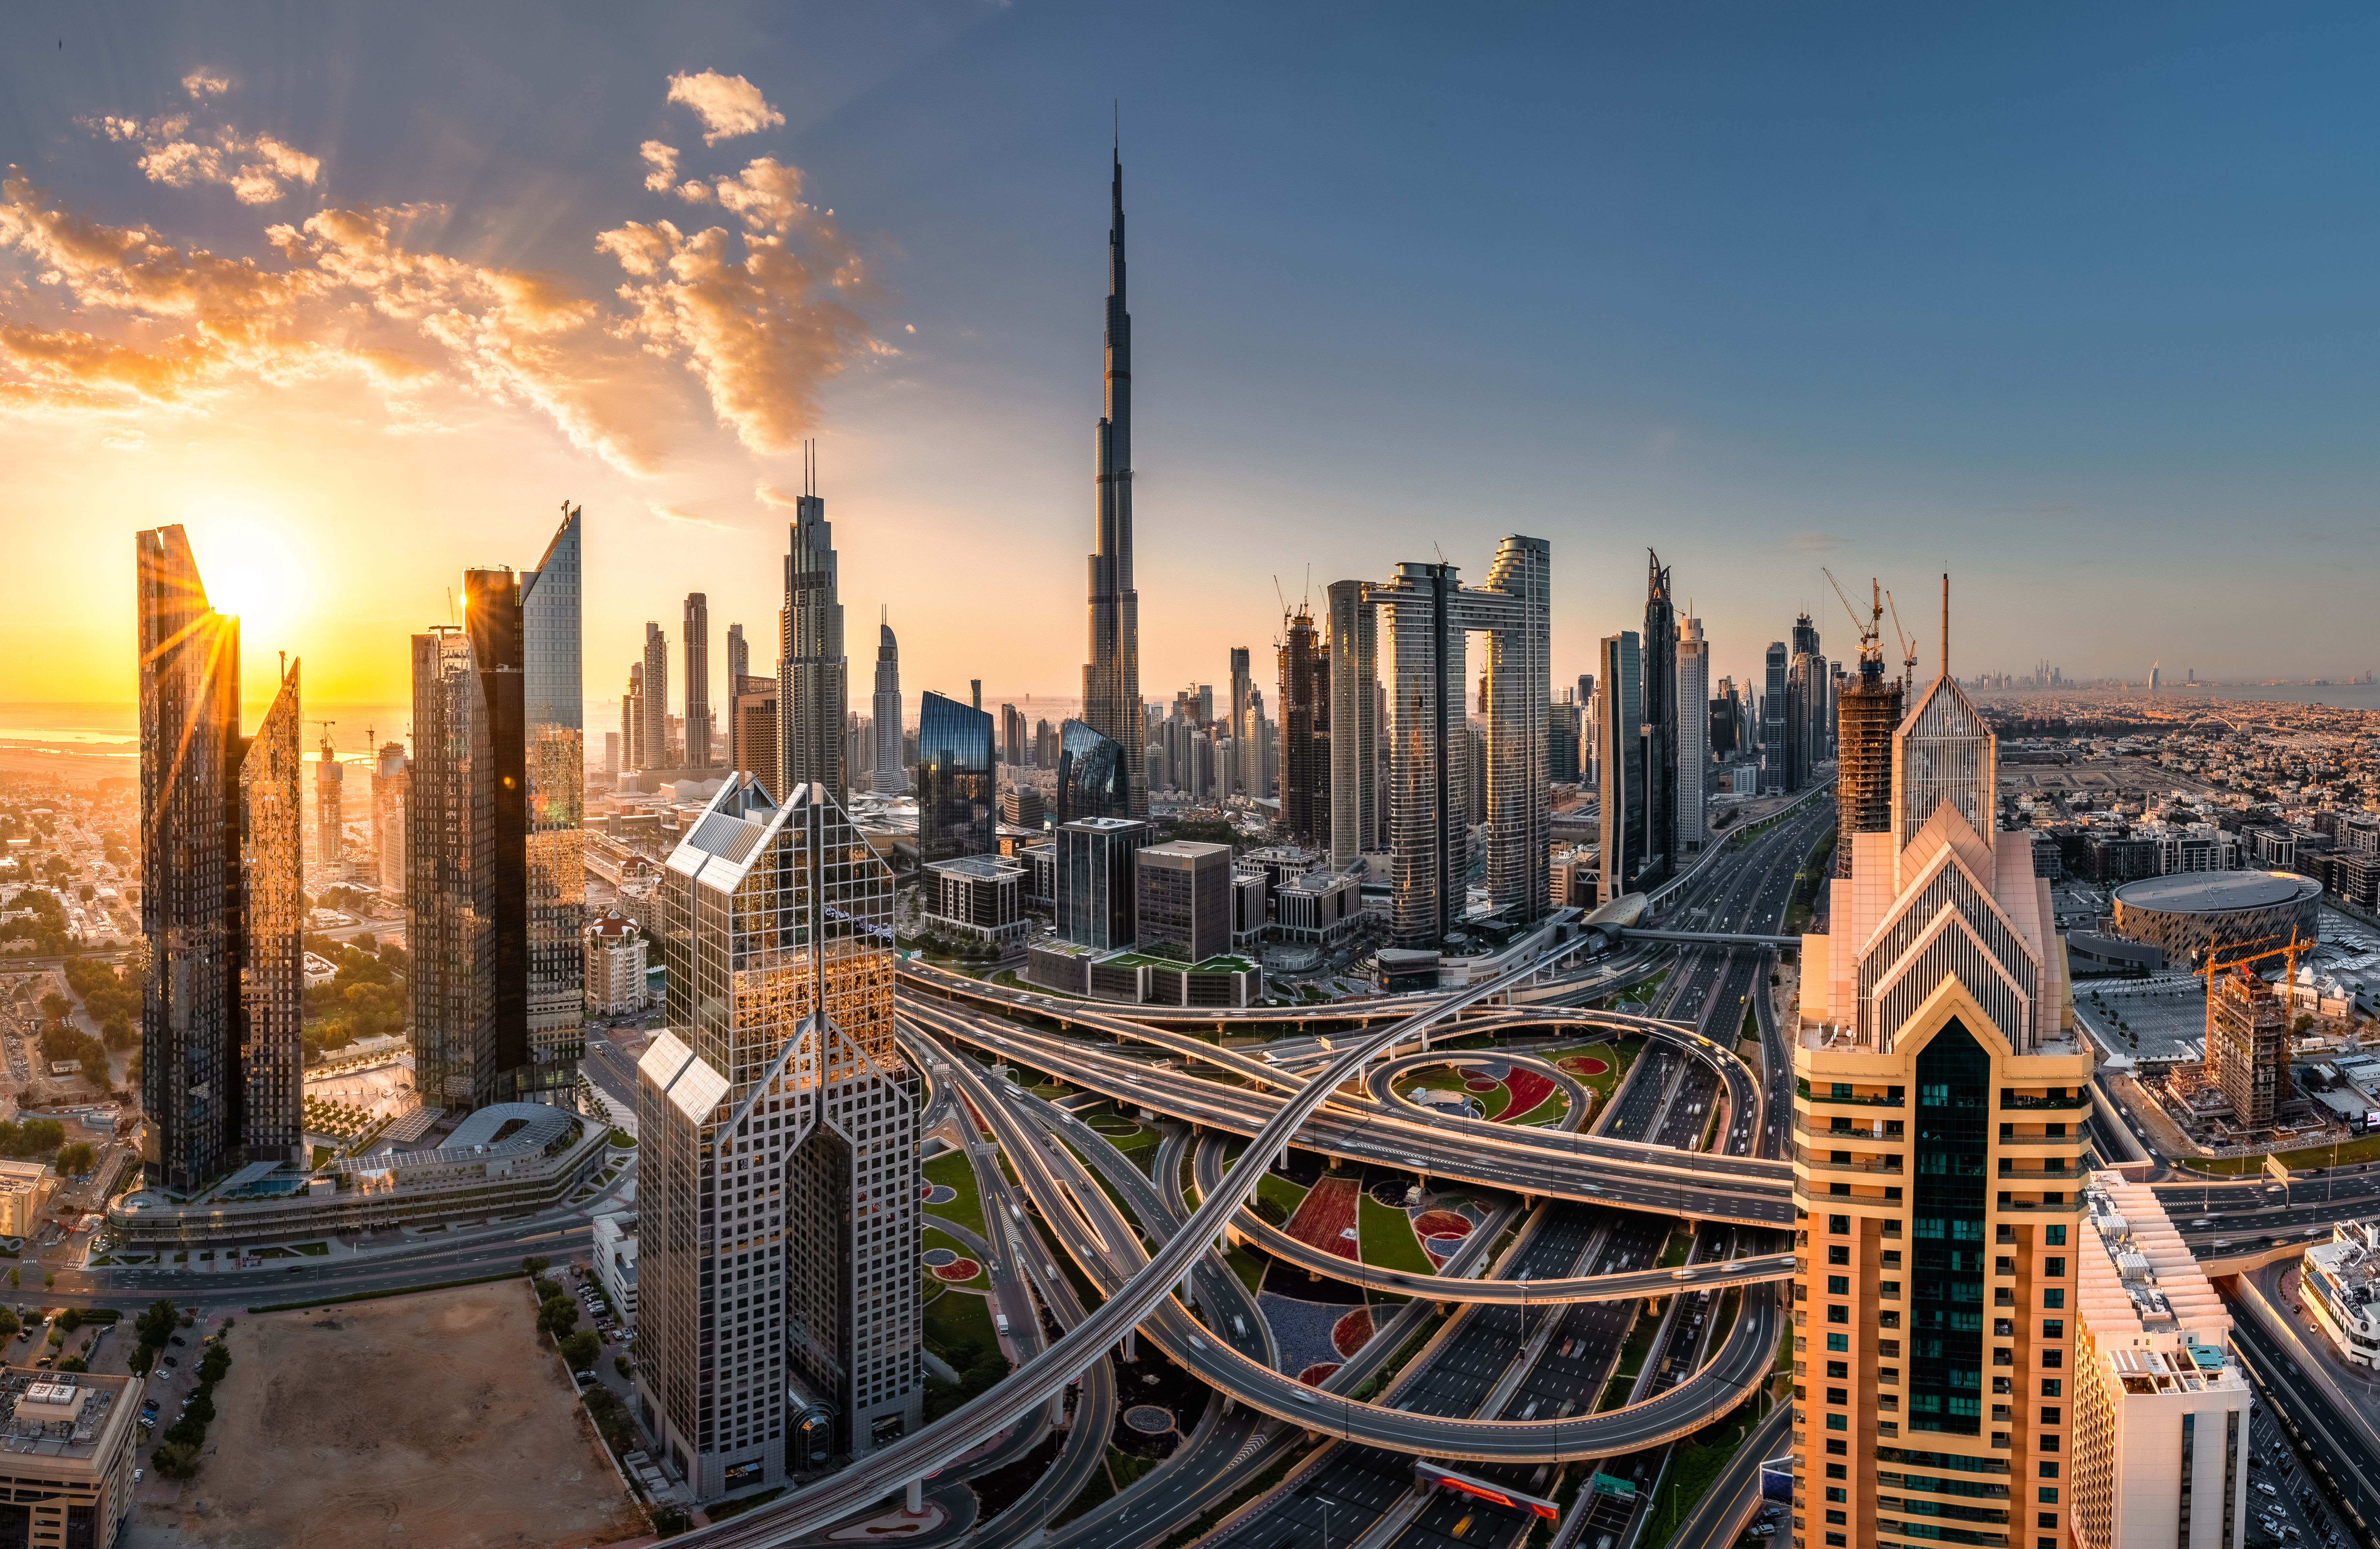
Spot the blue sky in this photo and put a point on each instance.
(2074, 305)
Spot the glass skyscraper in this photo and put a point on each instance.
(495, 887)
(221, 905)
(1093, 775)
(813, 675)
(777, 1118)
(1620, 766)
(958, 799)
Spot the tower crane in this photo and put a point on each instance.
(2254, 952)
(1869, 632)
(326, 726)
(1908, 647)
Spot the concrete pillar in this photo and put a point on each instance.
(1130, 1348)
(915, 1505)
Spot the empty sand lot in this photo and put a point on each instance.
(429, 1420)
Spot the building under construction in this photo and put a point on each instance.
(1867, 714)
(2248, 1048)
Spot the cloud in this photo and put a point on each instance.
(204, 84)
(1819, 543)
(663, 159)
(727, 104)
(678, 516)
(257, 168)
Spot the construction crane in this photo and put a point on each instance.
(1869, 632)
(1908, 649)
(2257, 951)
(326, 726)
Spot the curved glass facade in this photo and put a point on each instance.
(957, 800)
(1094, 777)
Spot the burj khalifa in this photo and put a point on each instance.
(1112, 678)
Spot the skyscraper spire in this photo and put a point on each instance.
(1112, 677)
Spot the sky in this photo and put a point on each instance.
(2076, 305)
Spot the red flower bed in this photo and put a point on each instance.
(1528, 1089)
(1328, 1210)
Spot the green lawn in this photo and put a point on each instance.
(943, 1239)
(1603, 1086)
(1387, 1237)
(1693, 1470)
(951, 1171)
(1280, 1192)
(1674, 1251)
(1549, 1111)
(1632, 1361)
(1247, 1266)
(955, 1318)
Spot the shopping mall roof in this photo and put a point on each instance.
(2218, 892)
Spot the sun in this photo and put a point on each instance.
(252, 566)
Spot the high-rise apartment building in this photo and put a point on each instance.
(958, 795)
(1937, 1172)
(739, 659)
(2161, 1442)
(777, 1127)
(1562, 740)
(1423, 614)
(1240, 783)
(1773, 721)
(633, 725)
(1354, 745)
(695, 638)
(1620, 766)
(1045, 745)
(813, 675)
(753, 726)
(389, 777)
(655, 700)
(1014, 749)
(1691, 818)
(1112, 678)
(1657, 699)
(495, 889)
(1305, 665)
(890, 776)
(222, 900)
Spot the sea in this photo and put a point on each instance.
(98, 730)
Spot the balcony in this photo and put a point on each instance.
(2071, 1170)
(1890, 1166)
(1819, 1130)
(1892, 1097)
(2009, 1137)
(2081, 1098)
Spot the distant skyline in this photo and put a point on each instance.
(362, 297)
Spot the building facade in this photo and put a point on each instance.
(1304, 663)
(1093, 779)
(1620, 768)
(694, 637)
(221, 842)
(891, 774)
(1940, 1094)
(1183, 899)
(979, 895)
(1691, 818)
(653, 703)
(1657, 700)
(776, 1121)
(1097, 881)
(958, 794)
(66, 1461)
(615, 966)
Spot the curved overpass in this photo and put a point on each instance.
(1380, 1083)
(1087, 1224)
(1615, 1287)
(1750, 1346)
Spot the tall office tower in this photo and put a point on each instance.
(1691, 702)
(656, 698)
(1472, 799)
(813, 675)
(1354, 741)
(1589, 709)
(1619, 766)
(1866, 719)
(1562, 741)
(330, 801)
(495, 891)
(1931, 1313)
(739, 659)
(974, 693)
(859, 747)
(958, 795)
(1424, 614)
(1830, 727)
(1660, 704)
(1096, 879)
(1803, 693)
(1112, 678)
(1773, 721)
(1804, 636)
(753, 723)
(612, 766)
(1305, 666)
(695, 640)
(1238, 784)
(2161, 1407)
(390, 775)
(1094, 776)
(1013, 748)
(777, 1126)
(1723, 710)
(892, 775)
(633, 725)
(1183, 899)
(222, 849)
(1045, 745)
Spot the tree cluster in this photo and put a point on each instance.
(365, 998)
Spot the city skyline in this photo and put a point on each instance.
(193, 139)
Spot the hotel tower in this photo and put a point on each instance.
(1940, 1095)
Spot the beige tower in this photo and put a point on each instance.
(1940, 1096)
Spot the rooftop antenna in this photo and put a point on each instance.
(1946, 623)
(285, 666)
(1908, 645)
(450, 605)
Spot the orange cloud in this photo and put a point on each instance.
(663, 159)
(258, 169)
(727, 104)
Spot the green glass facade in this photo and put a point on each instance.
(1945, 1303)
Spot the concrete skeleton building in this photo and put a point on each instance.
(2160, 1407)
(1940, 1094)
(222, 913)
(777, 1117)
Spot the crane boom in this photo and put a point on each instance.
(1908, 646)
(1869, 631)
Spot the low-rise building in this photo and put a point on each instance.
(2160, 1407)
(1318, 907)
(982, 896)
(25, 1191)
(614, 968)
(66, 1455)
(614, 1241)
(1247, 906)
(2341, 1281)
